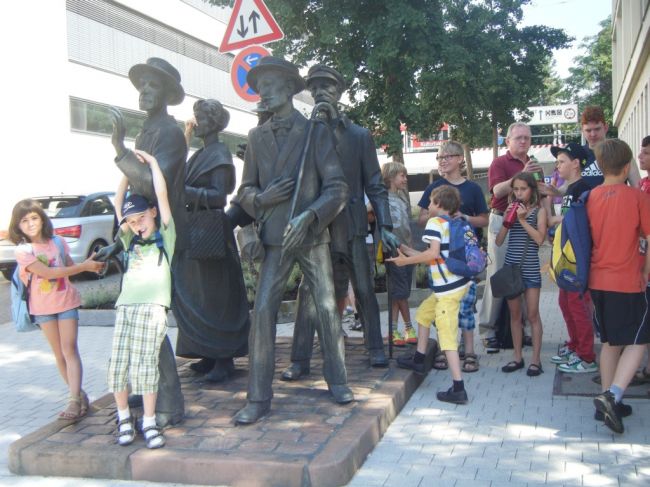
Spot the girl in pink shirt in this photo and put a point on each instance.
(52, 300)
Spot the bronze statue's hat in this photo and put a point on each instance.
(322, 71)
(270, 63)
(169, 74)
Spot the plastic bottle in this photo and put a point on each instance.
(511, 216)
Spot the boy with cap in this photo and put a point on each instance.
(577, 355)
(141, 318)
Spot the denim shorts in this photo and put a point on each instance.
(64, 315)
(532, 284)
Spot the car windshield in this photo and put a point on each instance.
(63, 207)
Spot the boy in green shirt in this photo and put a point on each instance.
(141, 318)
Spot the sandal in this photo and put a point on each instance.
(153, 437)
(534, 370)
(471, 363)
(73, 411)
(125, 436)
(440, 361)
(512, 366)
(85, 403)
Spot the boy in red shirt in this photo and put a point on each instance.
(618, 276)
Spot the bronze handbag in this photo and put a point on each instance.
(207, 230)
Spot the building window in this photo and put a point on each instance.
(95, 118)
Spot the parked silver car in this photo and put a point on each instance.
(87, 222)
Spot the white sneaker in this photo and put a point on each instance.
(563, 356)
(578, 366)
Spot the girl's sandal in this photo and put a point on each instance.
(85, 403)
(471, 363)
(73, 411)
(440, 361)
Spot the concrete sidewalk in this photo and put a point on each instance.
(513, 432)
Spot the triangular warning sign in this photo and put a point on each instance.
(251, 23)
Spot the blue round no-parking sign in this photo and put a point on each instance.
(241, 65)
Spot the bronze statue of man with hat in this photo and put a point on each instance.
(159, 85)
(348, 231)
(293, 186)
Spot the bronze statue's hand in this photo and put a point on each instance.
(119, 131)
(105, 253)
(296, 230)
(277, 192)
(390, 240)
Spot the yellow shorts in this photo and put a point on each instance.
(443, 310)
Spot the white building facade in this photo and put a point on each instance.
(631, 69)
(68, 62)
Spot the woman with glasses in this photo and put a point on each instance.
(473, 208)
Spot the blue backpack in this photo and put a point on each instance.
(465, 258)
(571, 253)
(20, 296)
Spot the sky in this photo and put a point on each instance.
(578, 18)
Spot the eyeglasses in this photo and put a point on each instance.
(448, 156)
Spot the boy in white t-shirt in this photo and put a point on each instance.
(448, 290)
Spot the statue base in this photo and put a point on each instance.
(306, 439)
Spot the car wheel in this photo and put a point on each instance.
(8, 273)
(96, 247)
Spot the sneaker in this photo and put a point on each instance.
(576, 365)
(398, 339)
(605, 404)
(406, 362)
(410, 335)
(458, 397)
(492, 345)
(624, 410)
(563, 356)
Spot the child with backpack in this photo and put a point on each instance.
(44, 267)
(141, 317)
(399, 278)
(524, 238)
(474, 210)
(618, 277)
(448, 291)
(577, 355)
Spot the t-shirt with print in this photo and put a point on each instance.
(644, 185)
(472, 200)
(399, 215)
(147, 279)
(591, 173)
(47, 296)
(618, 214)
(443, 281)
(573, 192)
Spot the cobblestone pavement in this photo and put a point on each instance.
(512, 433)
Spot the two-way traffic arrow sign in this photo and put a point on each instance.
(251, 23)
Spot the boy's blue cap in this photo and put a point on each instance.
(133, 204)
(574, 150)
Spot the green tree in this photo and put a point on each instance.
(378, 45)
(489, 66)
(590, 80)
(422, 62)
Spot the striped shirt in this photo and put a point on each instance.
(443, 281)
(517, 238)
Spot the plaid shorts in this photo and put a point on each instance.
(139, 332)
(466, 320)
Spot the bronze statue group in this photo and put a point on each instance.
(302, 188)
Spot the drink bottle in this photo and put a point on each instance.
(511, 216)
